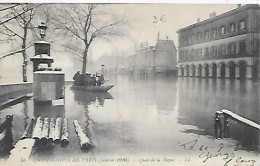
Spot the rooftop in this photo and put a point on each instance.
(234, 11)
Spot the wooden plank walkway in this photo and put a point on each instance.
(241, 119)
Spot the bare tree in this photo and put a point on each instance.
(6, 12)
(86, 23)
(19, 31)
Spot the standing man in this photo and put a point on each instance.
(76, 78)
(217, 126)
(226, 127)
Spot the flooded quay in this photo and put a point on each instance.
(144, 118)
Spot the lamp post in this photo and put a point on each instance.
(42, 27)
(103, 69)
(42, 50)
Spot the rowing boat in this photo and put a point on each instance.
(102, 88)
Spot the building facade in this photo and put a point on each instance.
(224, 46)
(161, 58)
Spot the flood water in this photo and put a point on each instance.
(147, 116)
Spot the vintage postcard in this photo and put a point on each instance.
(130, 84)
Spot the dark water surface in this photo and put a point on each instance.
(146, 116)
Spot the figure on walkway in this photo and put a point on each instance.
(6, 143)
(226, 127)
(76, 78)
(217, 126)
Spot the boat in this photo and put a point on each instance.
(102, 88)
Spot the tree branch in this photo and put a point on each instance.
(3, 9)
(14, 17)
(15, 34)
(15, 52)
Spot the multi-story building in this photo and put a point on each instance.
(161, 58)
(225, 45)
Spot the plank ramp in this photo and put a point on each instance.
(241, 119)
(22, 150)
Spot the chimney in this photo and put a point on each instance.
(239, 6)
(210, 15)
(214, 14)
(198, 19)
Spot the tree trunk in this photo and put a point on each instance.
(84, 65)
(24, 67)
(25, 62)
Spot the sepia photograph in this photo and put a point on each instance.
(129, 84)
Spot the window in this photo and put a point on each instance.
(200, 52)
(222, 30)
(242, 25)
(215, 50)
(232, 27)
(206, 34)
(192, 38)
(192, 54)
(181, 55)
(242, 46)
(207, 52)
(222, 50)
(186, 54)
(182, 40)
(199, 36)
(232, 48)
(214, 33)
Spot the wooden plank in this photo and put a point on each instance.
(240, 118)
(29, 128)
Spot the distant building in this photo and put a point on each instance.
(226, 45)
(161, 58)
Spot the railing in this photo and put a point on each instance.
(9, 91)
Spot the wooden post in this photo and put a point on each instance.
(52, 130)
(84, 141)
(28, 130)
(45, 129)
(57, 132)
(37, 132)
(65, 135)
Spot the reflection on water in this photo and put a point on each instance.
(146, 115)
(201, 98)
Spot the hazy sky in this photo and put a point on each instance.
(141, 17)
(143, 29)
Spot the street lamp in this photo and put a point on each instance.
(42, 28)
(103, 69)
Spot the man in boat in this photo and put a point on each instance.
(76, 78)
(88, 79)
(93, 80)
(100, 80)
(82, 80)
